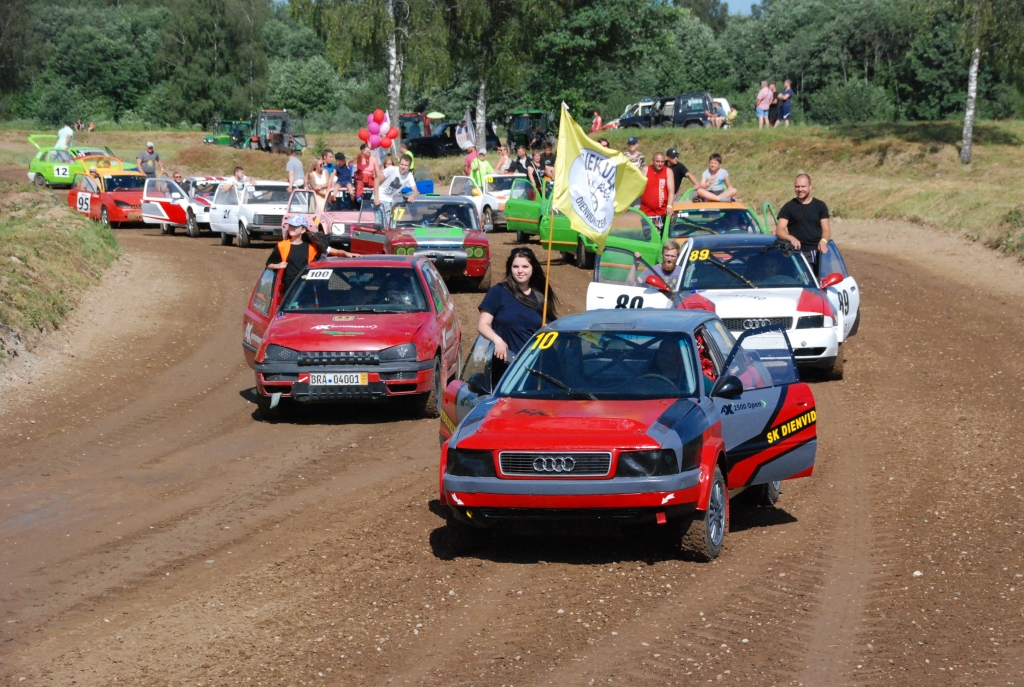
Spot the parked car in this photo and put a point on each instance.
(686, 110)
(633, 116)
(650, 418)
(490, 199)
(249, 211)
(112, 196)
(354, 329)
(335, 219)
(442, 143)
(58, 167)
(187, 205)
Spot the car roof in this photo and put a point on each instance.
(643, 319)
(733, 240)
(372, 260)
(430, 198)
(689, 205)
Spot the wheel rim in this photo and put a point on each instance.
(104, 217)
(716, 513)
(777, 486)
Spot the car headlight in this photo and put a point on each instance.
(647, 463)
(476, 252)
(280, 353)
(122, 204)
(406, 351)
(464, 463)
(811, 322)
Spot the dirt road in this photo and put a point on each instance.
(154, 532)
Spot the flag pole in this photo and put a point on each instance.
(547, 272)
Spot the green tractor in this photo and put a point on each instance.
(531, 128)
(230, 132)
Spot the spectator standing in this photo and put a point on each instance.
(656, 200)
(332, 171)
(319, 182)
(548, 160)
(715, 184)
(404, 150)
(522, 163)
(296, 172)
(79, 126)
(764, 101)
(467, 162)
(633, 153)
(149, 160)
(511, 312)
(504, 162)
(366, 170)
(773, 109)
(480, 168)
(785, 102)
(65, 137)
(804, 222)
(679, 171)
(388, 183)
(597, 124)
(536, 170)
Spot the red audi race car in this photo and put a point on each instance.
(111, 195)
(352, 329)
(444, 229)
(628, 416)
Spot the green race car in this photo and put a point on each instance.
(230, 132)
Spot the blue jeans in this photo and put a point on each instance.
(760, 112)
(382, 214)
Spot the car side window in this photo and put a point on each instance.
(436, 295)
(711, 350)
(264, 292)
(522, 189)
(226, 196)
(722, 337)
(302, 202)
(63, 156)
(630, 225)
(52, 156)
(831, 262)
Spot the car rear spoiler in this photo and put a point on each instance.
(38, 137)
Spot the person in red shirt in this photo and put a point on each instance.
(656, 200)
(595, 126)
(366, 170)
(467, 164)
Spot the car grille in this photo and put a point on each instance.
(307, 394)
(555, 464)
(738, 324)
(267, 220)
(339, 358)
(809, 352)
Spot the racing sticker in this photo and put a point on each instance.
(84, 203)
(61, 171)
(793, 426)
(733, 408)
(318, 274)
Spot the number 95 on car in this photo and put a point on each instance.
(337, 379)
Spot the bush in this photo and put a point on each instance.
(852, 102)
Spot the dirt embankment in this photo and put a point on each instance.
(155, 531)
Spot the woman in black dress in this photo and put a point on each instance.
(773, 109)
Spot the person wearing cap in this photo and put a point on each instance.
(299, 248)
(480, 168)
(148, 161)
(343, 175)
(679, 171)
(633, 153)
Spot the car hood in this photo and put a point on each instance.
(757, 302)
(341, 332)
(430, 236)
(578, 425)
(267, 209)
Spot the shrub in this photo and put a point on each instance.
(851, 102)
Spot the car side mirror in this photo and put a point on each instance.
(175, 196)
(831, 280)
(728, 386)
(656, 282)
(479, 384)
(475, 192)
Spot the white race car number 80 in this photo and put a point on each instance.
(624, 301)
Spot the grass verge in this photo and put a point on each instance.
(48, 256)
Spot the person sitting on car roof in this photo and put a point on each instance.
(299, 248)
(715, 184)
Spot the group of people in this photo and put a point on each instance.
(773, 106)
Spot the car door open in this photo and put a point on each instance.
(164, 202)
(611, 288)
(473, 385)
(768, 415)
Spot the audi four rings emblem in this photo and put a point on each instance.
(553, 464)
(754, 324)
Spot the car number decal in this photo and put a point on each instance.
(623, 301)
(84, 203)
(544, 341)
(62, 171)
(696, 255)
(318, 274)
(398, 214)
(844, 302)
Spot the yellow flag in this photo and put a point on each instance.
(592, 183)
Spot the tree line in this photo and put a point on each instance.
(194, 61)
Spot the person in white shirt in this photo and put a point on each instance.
(715, 184)
(387, 184)
(65, 137)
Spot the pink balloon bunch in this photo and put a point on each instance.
(378, 132)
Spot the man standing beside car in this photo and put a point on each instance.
(656, 200)
(148, 161)
(388, 183)
(296, 173)
(804, 222)
(522, 163)
(65, 137)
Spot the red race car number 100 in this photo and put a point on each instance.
(544, 341)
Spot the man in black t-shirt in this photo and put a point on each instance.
(804, 222)
(679, 171)
(522, 162)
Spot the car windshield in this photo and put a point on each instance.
(603, 365)
(500, 184)
(745, 267)
(695, 222)
(268, 194)
(356, 289)
(123, 182)
(436, 214)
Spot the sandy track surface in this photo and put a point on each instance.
(154, 532)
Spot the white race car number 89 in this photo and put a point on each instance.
(84, 203)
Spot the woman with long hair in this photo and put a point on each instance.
(510, 313)
(318, 181)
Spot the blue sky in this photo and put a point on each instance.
(741, 6)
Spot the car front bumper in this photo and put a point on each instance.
(814, 347)
(404, 378)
